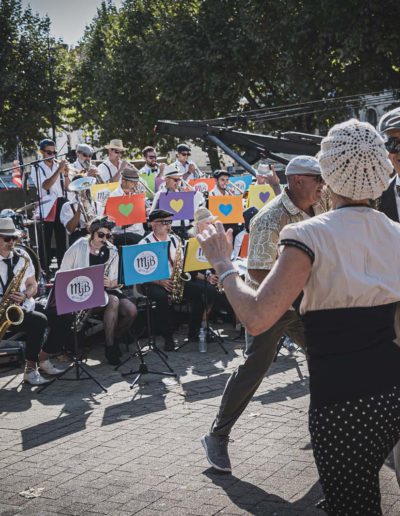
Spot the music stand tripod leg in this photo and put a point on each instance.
(77, 365)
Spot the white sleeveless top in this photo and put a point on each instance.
(357, 258)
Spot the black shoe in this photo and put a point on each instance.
(169, 344)
(112, 355)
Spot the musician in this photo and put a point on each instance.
(119, 312)
(172, 183)
(110, 170)
(83, 161)
(159, 291)
(188, 169)
(268, 176)
(222, 180)
(74, 219)
(51, 179)
(34, 323)
(389, 127)
(129, 185)
(299, 201)
(151, 166)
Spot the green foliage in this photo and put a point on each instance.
(26, 96)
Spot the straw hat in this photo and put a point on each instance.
(115, 144)
(203, 214)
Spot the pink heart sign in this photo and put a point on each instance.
(264, 196)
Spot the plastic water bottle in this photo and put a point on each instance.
(42, 285)
(202, 341)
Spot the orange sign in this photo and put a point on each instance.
(126, 209)
(244, 248)
(205, 184)
(228, 208)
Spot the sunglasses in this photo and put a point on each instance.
(165, 222)
(100, 234)
(185, 153)
(317, 179)
(50, 152)
(9, 238)
(393, 146)
(117, 151)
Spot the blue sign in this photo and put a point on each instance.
(242, 182)
(145, 262)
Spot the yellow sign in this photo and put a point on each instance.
(260, 195)
(100, 192)
(194, 257)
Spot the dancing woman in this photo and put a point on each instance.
(343, 262)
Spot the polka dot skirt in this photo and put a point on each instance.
(351, 441)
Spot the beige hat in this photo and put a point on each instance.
(203, 214)
(7, 227)
(354, 161)
(172, 171)
(115, 144)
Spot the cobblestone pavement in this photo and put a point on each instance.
(138, 451)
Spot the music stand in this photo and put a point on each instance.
(129, 256)
(75, 290)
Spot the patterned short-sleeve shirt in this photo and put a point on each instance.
(266, 227)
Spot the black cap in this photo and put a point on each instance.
(45, 143)
(248, 215)
(182, 147)
(101, 222)
(160, 214)
(219, 173)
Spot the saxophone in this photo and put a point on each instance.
(178, 277)
(11, 313)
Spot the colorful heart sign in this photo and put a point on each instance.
(204, 184)
(126, 210)
(228, 208)
(181, 204)
(260, 195)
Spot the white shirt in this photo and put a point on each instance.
(29, 304)
(217, 191)
(184, 168)
(355, 249)
(238, 244)
(198, 201)
(107, 170)
(44, 172)
(77, 257)
(148, 170)
(71, 207)
(133, 228)
(151, 238)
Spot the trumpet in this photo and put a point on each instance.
(146, 186)
(230, 187)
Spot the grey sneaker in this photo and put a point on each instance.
(216, 448)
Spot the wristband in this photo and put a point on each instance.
(227, 273)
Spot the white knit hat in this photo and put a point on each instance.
(354, 161)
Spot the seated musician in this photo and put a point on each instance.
(119, 312)
(173, 178)
(76, 213)
(129, 185)
(160, 291)
(34, 324)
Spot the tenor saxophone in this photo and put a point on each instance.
(10, 313)
(178, 276)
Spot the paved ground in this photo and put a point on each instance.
(138, 452)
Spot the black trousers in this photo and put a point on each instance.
(164, 317)
(58, 229)
(34, 325)
(60, 335)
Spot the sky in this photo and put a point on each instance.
(68, 17)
